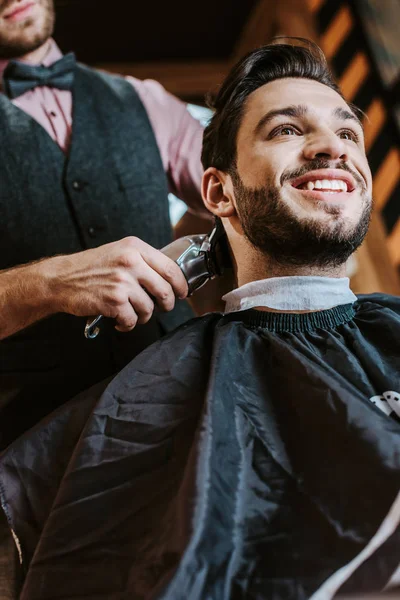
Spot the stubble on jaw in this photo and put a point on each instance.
(274, 230)
(19, 39)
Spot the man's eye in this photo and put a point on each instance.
(284, 130)
(347, 134)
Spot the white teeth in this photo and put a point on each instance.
(325, 184)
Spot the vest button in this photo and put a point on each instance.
(77, 185)
(92, 232)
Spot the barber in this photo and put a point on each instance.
(86, 163)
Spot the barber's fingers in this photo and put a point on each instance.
(168, 271)
(137, 310)
(126, 318)
(139, 305)
(158, 288)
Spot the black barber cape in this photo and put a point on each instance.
(246, 456)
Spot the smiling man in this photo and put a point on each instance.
(290, 178)
(251, 454)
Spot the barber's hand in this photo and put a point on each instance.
(121, 280)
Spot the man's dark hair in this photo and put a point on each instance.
(255, 69)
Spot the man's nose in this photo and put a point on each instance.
(325, 145)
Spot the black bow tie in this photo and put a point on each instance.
(20, 77)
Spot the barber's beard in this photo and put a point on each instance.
(20, 39)
(271, 227)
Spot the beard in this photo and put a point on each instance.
(272, 228)
(19, 39)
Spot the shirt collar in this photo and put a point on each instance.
(53, 54)
(297, 293)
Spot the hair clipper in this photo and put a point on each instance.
(201, 257)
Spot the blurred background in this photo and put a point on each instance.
(189, 47)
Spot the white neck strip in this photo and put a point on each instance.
(297, 293)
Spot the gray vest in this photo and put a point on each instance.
(110, 186)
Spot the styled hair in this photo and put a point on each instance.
(255, 69)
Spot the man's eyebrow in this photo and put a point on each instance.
(288, 111)
(344, 114)
(299, 111)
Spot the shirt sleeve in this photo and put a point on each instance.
(179, 137)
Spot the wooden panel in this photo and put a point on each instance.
(375, 272)
(294, 18)
(258, 29)
(387, 177)
(394, 244)
(315, 5)
(268, 19)
(373, 122)
(366, 279)
(354, 76)
(185, 80)
(337, 32)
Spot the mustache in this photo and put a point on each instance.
(322, 163)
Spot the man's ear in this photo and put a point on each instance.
(217, 191)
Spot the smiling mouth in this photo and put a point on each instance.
(323, 182)
(329, 186)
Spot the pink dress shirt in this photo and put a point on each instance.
(178, 134)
